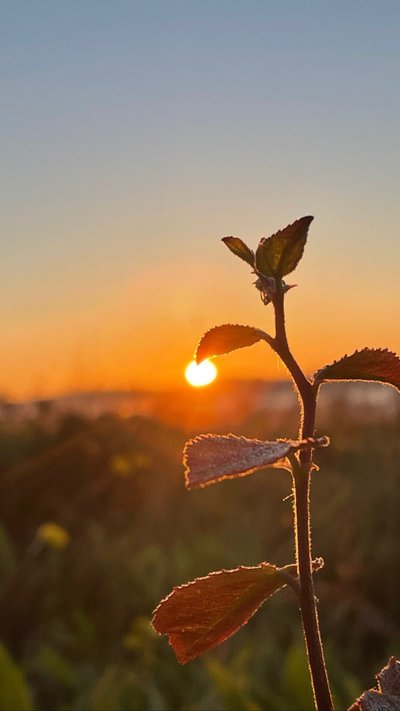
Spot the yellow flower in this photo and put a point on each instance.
(53, 535)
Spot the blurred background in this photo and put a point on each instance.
(97, 527)
(133, 137)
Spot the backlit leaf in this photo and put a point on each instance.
(212, 458)
(389, 677)
(280, 254)
(238, 247)
(387, 696)
(368, 364)
(200, 615)
(227, 338)
(373, 700)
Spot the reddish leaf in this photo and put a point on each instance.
(368, 364)
(280, 254)
(238, 247)
(212, 458)
(373, 700)
(389, 678)
(200, 615)
(387, 698)
(226, 338)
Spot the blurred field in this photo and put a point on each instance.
(96, 527)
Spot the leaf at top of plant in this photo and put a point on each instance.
(368, 364)
(227, 338)
(238, 247)
(387, 696)
(203, 613)
(212, 458)
(280, 254)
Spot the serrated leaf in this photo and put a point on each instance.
(280, 254)
(226, 338)
(368, 364)
(387, 697)
(238, 247)
(209, 459)
(373, 700)
(389, 677)
(200, 615)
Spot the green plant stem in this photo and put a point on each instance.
(301, 491)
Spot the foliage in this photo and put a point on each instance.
(201, 614)
(96, 525)
(76, 620)
(14, 693)
(227, 338)
(204, 613)
(387, 696)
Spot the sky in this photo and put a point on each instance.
(134, 135)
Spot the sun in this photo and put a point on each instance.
(202, 374)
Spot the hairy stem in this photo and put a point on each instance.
(301, 490)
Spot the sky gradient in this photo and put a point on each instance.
(135, 135)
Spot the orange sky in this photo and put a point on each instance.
(143, 333)
(136, 135)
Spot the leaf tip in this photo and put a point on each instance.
(240, 249)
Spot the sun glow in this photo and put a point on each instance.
(202, 374)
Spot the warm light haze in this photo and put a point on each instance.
(136, 135)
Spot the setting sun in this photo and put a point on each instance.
(202, 374)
